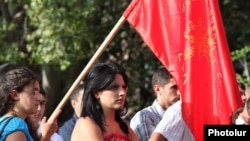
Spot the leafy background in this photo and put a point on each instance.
(57, 38)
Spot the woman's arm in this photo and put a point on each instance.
(16, 136)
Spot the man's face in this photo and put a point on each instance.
(168, 94)
(41, 107)
(35, 118)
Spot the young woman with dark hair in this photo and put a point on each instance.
(19, 91)
(104, 103)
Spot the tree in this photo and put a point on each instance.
(57, 38)
(236, 21)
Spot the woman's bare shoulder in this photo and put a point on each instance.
(86, 123)
(85, 120)
(85, 127)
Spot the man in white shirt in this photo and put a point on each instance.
(167, 93)
(172, 127)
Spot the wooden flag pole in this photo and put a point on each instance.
(82, 75)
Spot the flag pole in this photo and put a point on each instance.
(84, 72)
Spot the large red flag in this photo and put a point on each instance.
(188, 38)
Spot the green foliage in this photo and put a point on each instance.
(236, 17)
(238, 54)
(60, 37)
(60, 34)
(241, 57)
(12, 31)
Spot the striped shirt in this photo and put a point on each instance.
(172, 126)
(144, 122)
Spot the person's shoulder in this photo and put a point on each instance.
(14, 124)
(175, 106)
(67, 126)
(84, 119)
(139, 116)
(17, 122)
(86, 123)
(173, 111)
(71, 120)
(16, 118)
(56, 137)
(86, 127)
(143, 112)
(142, 116)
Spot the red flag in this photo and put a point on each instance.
(188, 38)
